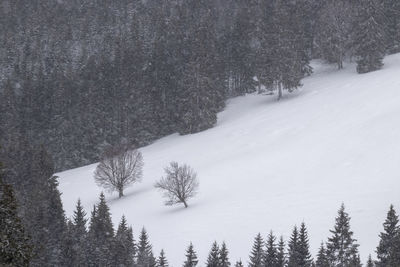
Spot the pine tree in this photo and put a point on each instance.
(392, 25)
(322, 260)
(271, 251)
(15, 246)
(342, 249)
(388, 250)
(101, 234)
(213, 259)
(145, 256)
(294, 249)
(281, 257)
(124, 247)
(369, 36)
(239, 263)
(257, 252)
(286, 66)
(191, 257)
(162, 260)
(79, 233)
(305, 259)
(370, 263)
(223, 256)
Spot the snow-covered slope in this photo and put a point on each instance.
(269, 165)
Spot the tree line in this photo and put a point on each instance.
(100, 245)
(77, 76)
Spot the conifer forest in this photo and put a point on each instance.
(240, 116)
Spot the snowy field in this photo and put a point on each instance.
(269, 165)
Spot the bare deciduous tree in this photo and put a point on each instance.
(119, 167)
(179, 184)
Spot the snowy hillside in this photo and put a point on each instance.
(269, 165)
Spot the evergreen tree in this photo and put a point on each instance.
(369, 36)
(162, 260)
(322, 259)
(388, 250)
(239, 263)
(78, 234)
(145, 256)
(392, 25)
(281, 257)
(101, 234)
(370, 263)
(223, 256)
(15, 246)
(191, 257)
(305, 259)
(124, 247)
(342, 249)
(213, 259)
(294, 256)
(257, 252)
(271, 251)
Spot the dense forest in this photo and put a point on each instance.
(78, 75)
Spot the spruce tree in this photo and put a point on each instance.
(145, 256)
(223, 256)
(342, 249)
(281, 257)
(369, 36)
(15, 246)
(271, 251)
(239, 264)
(124, 247)
(305, 259)
(322, 259)
(162, 260)
(213, 259)
(191, 257)
(101, 234)
(370, 263)
(294, 249)
(257, 252)
(392, 25)
(388, 250)
(79, 236)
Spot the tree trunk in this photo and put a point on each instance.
(184, 203)
(279, 91)
(121, 193)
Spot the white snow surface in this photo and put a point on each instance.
(268, 165)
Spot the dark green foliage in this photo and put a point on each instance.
(369, 36)
(388, 250)
(322, 258)
(305, 259)
(370, 263)
(145, 256)
(124, 247)
(223, 256)
(271, 252)
(392, 25)
(281, 257)
(213, 257)
(294, 249)
(257, 252)
(15, 246)
(191, 257)
(101, 234)
(162, 260)
(342, 249)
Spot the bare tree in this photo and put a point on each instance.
(119, 167)
(179, 184)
